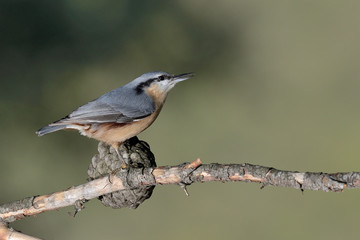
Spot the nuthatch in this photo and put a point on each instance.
(121, 113)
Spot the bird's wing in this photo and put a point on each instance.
(120, 106)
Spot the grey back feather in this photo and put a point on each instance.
(120, 105)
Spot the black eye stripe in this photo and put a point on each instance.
(139, 88)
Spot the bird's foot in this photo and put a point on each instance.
(115, 171)
(124, 166)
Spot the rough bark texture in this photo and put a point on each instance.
(16, 206)
(138, 155)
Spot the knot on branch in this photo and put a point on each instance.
(137, 153)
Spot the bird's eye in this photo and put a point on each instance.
(161, 78)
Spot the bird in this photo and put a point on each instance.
(123, 112)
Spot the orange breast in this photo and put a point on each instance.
(113, 133)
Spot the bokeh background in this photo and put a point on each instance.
(277, 84)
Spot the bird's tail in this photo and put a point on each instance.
(50, 129)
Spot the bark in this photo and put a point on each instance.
(183, 175)
(117, 187)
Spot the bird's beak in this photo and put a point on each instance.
(182, 77)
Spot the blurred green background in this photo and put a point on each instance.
(277, 84)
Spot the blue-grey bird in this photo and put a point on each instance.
(121, 113)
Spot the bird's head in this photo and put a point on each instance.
(159, 82)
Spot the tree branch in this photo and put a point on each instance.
(10, 234)
(184, 174)
(131, 186)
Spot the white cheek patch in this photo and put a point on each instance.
(166, 85)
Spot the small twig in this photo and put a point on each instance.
(183, 186)
(10, 234)
(79, 205)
